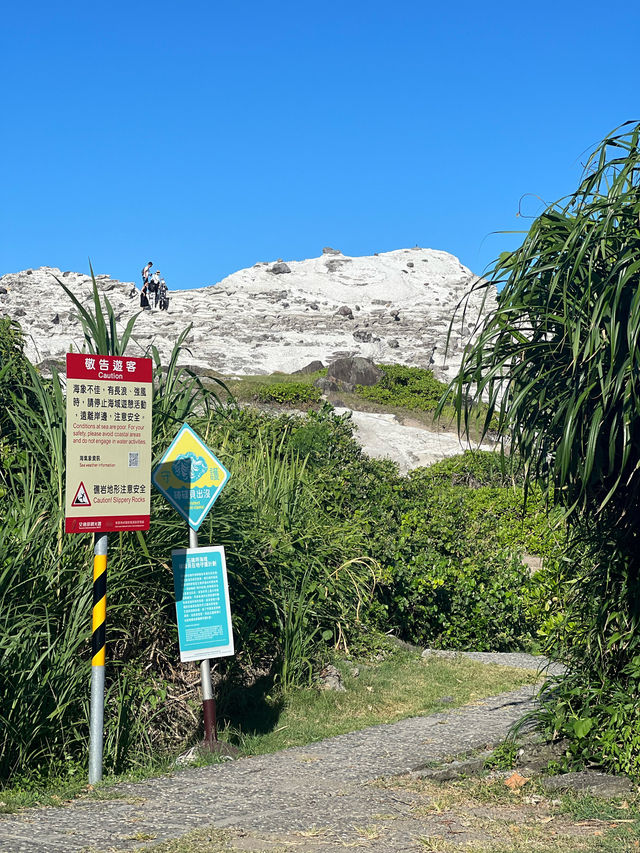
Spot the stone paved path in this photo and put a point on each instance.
(318, 797)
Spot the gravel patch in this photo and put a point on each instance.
(517, 659)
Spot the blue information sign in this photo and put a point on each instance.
(202, 603)
(190, 476)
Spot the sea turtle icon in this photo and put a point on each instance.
(188, 468)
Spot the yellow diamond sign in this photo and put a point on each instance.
(190, 476)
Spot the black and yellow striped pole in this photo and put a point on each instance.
(98, 638)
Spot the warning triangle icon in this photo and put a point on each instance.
(81, 498)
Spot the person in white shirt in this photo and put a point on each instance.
(145, 273)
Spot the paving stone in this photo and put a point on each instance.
(329, 782)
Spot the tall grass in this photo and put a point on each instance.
(284, 555)
(304, 575)
(45, 585)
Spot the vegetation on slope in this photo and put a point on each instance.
(325, 549)
(412, 388)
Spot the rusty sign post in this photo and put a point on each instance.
(191, 478)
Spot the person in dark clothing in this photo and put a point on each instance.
(144, 297)
(154, 284)
(162, 296)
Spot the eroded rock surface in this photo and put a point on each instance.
(259, 320)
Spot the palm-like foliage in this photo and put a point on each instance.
(558, 363)
(558, 360)
(100, 335)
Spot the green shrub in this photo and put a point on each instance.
(457, 578)
(556, 363)
(601, 720)
(471, 468)
(409, 387)
(291, 393)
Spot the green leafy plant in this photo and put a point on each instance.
(557, 364)
(410, 387)
(292, 393)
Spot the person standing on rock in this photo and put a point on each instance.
(162, 296)
(144, 297)
(145, 273)
(154, 284)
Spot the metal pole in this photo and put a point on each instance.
(208, 702)
(98, 638)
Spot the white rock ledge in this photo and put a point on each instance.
(258, 321)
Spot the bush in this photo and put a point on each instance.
(290, 393)
(556, 364)
(409, 387)
(458, 579)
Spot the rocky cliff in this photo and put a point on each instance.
(392, 307)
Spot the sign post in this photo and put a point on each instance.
(191, 478)
(108, 471)
(98, 638)
(208, 702)
(214, 631)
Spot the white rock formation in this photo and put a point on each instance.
(383, 436)
(394, 308)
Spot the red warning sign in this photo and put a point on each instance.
(109, 401)
(81, 498)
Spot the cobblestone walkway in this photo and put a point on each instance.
(325, 788)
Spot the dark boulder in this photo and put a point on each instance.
(362, 335)
(327, 386)
(346, 373)
(280, 268)
(312, 367)
(345, 311)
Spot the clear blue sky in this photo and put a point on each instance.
(207, 136)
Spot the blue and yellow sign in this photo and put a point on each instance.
(190, 476)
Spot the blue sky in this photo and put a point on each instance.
(209, 136)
